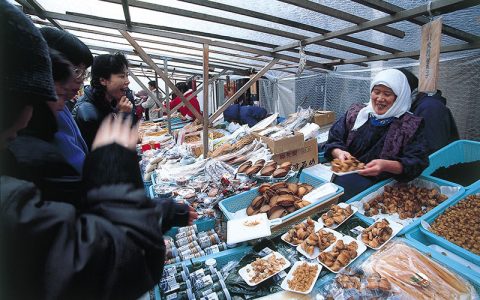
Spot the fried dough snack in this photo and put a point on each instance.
(409, 201)
(460, 224)
(348, 165)
(303, 277)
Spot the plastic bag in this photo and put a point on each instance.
(413, 275)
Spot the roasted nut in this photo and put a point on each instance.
(280, 173)
(257, 202)
(286, 166)
(263, 188)
(271, 164)
(251, 211)
(267, 171)
(279, 185)
(244, 167)
(253, 170)
(276, 212)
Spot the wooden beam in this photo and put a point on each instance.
(41, 13)
(436, 6)
(283, 21)
(199, 89)
(126, 12)
(236, 24)
(116, 24)
(341, 15)
(205, 100)
(389, 8)
(160, 72)
(242, 90)
(409, 54)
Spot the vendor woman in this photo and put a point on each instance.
(382, 134)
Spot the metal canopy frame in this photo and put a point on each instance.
(246, 51)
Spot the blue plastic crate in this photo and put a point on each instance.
(421, 242)
(444, 243)
(235, 203)
(223, 257)
(147, 186)
(439, 207)
(462, 151)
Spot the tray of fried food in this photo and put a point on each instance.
(407, 200)
(379, 233)
(302, 277)
(317, 242)
(299, 232)
(341, 254)
(263, 268)
(347, 166)
(279, 199)
(337, 214)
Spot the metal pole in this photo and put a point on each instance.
(206, 123)
(167, 99)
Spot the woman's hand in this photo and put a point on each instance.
(116, 130)
(192, 215)
(377, 166)
(124, 105)
(340, 154)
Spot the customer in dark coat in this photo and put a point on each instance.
(244, 114)
(105, 96)
(109, 246)
(440, 126)
(68, 138)
(382, 134)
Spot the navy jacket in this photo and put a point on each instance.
(440, 127)
(244, 114)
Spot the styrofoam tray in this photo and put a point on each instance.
(247, 276)
(346, 239)
(396, 227)
(329, 168)
(342, 205)
(326, 189)
(238, 230)
(317, 226)
(284, 284)
(316, 251)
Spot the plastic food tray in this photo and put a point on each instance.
(422, 243)
(241, 201)
(444, 243)
(224, 257)
(285, 286)
(462, 151)
(412, 225)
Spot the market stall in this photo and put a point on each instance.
(270, 221)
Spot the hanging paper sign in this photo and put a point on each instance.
(430, 56)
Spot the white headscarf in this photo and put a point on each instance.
(395, 80)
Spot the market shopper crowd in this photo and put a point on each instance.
(67, 234)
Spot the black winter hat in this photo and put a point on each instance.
(68, 44)
(411, 78)
(25, 66)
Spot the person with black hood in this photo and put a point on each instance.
(105, 96)
(68, 138)
(109, 246)
(440, 126)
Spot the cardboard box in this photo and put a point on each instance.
(323, 117)
(285, 144)
(306, 156)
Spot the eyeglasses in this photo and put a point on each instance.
(79, 73)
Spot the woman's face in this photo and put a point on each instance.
(116, 85)
(382, 99)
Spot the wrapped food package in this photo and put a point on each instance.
(415, 276)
